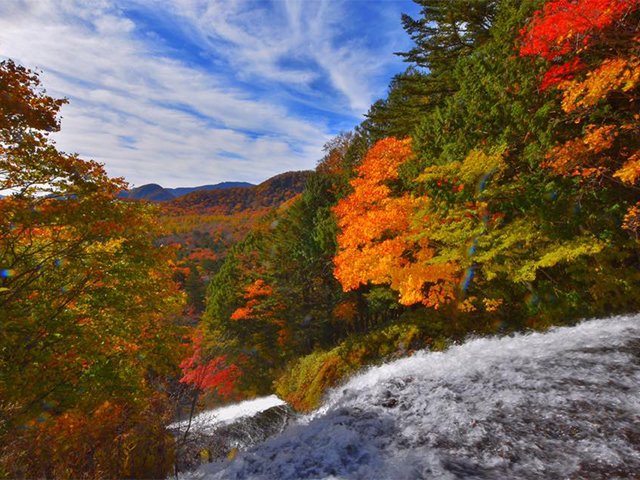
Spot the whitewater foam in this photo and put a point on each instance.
(563, 404)
(213, 418)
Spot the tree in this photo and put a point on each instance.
(335, 150)
(377, 244)
(273, 298)
(86, 297)
(446, 30)
(592, 46)
(565, 27)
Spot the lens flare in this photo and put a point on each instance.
(485, 217)
(531, 299)
(471, 248)
(7, 273)
(44, 416)
(482, 183)
(576, 209)
(466, 279)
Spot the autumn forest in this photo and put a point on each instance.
(494, 190)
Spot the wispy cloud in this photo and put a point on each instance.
(189, 92)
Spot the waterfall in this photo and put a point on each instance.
(212, 419)
(561, 404)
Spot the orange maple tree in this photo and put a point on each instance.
(377, 242)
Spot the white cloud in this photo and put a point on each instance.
(302, 28)
(152, 116)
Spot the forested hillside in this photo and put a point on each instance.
(152, 192)
(156, 193)
(494, 190)
(268, 194)
(206, 224)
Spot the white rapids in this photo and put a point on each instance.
(559, 405)
(211, 419)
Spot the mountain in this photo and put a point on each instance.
(157, 193)
(268, 194)
(178, 192)
(207, 223)
(151, 191)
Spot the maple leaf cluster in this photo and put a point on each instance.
(565, 26)
(208, 375)
(377, 239)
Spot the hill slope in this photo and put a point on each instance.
(180, 191)
(207, 223)
(151, 191)
(157, 193)
(268, 194)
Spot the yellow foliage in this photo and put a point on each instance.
(519, 249)
(112, 245)
(467, 305)
(577, 157)
(303, 385)
(232, 454)
(630, 171)
(631, 220)
(476, 165)
(492, 304)
(558, 253)
(613, 74)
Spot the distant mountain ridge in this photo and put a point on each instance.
(157, 193)
(269, 194)
(180, 191)
(151, 191)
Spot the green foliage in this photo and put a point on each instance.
(308, 378)
(410, 95)
(291, 255)
(447, 31)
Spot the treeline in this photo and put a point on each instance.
(230, 201)
(494, 189)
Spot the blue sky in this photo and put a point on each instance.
(188, 92)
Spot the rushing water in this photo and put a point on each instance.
(559, 405)
(220, 430)
(212, 419)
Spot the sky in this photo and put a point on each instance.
(192, 92)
